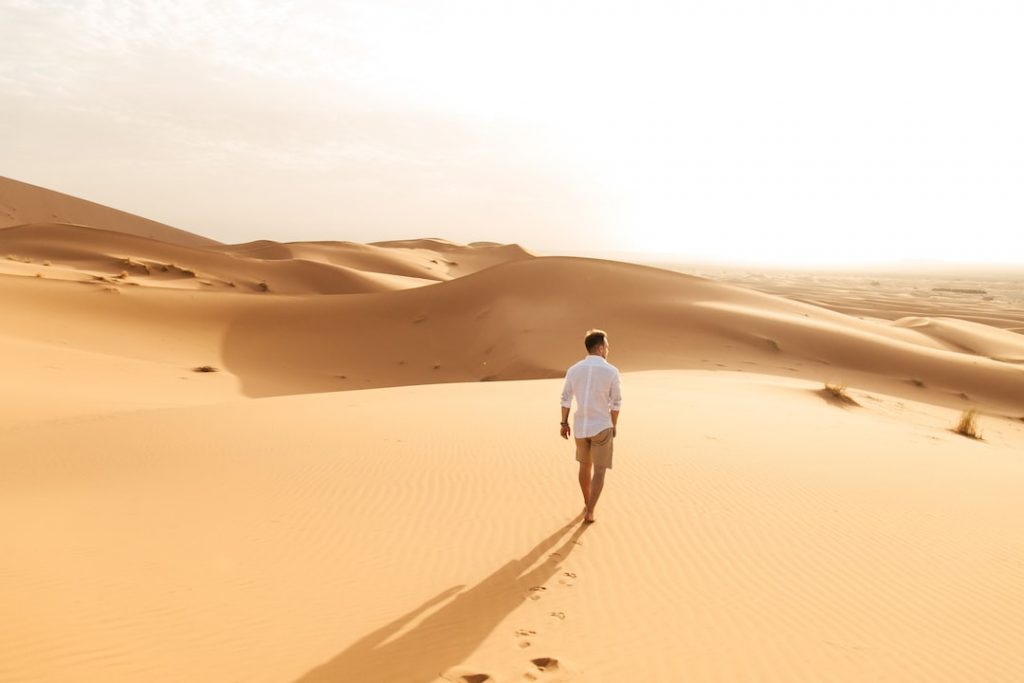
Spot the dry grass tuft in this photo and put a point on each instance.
(836, 393)
(917, 382)
(837, 390)
(773, 345)
(968, 425)
(263, 286)
(205, 368)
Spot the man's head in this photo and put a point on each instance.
(596, 342)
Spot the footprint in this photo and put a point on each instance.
(524, 635)
(537, 590)
(549, 669)
(571, 575)
(558, 615)
(545, 663)
(458, 675)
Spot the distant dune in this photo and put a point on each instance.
(81, 253)
(22, 204)
(329, 461)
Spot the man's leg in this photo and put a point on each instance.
(585, 484)
(596, 484)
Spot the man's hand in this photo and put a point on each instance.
(566, 431)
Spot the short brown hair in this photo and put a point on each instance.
(594, 339)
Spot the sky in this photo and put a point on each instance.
(782, 132)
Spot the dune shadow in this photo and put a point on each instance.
(461, 622)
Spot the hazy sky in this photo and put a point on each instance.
(809, 132)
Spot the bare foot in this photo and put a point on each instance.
(588, 517)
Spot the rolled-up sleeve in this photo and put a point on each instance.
(616, 393)
(567, 393)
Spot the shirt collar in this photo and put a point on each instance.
(594, 358)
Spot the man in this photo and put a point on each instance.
(595, 384)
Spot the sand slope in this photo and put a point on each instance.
(21, 203)
(750, 531)
(511, 322)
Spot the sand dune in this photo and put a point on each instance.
(511, 322)
(388, 511)
(103, 256)
(972, 338)
(21, 203)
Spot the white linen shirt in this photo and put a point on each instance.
(595, 384)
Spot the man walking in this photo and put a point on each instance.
(595, 384)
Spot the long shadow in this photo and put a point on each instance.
(452, 633)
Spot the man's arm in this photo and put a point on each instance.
(615, 403)
(566, 405)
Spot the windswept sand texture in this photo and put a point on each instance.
(353, 496)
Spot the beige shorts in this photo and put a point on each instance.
(596, 449)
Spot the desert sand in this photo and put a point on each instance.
(369, 486)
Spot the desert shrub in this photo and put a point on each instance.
(837, 390)
(968, 424)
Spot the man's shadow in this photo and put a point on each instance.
(452, 633)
